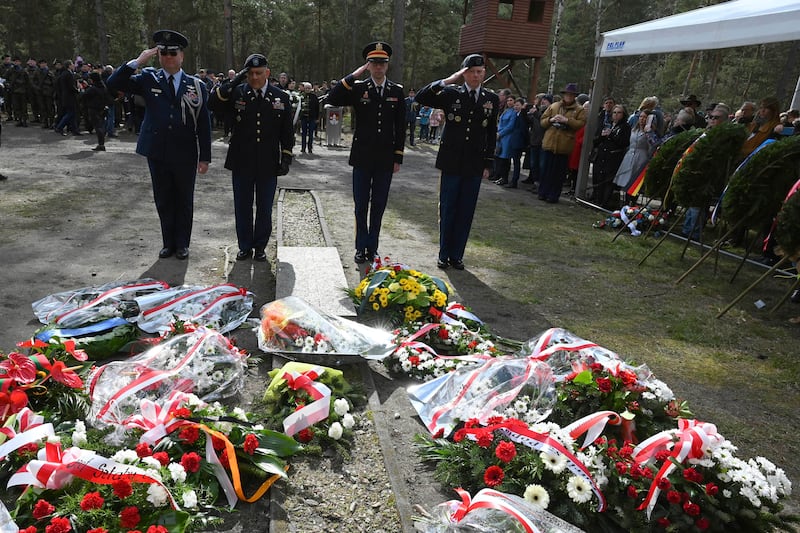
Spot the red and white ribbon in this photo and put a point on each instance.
(54, 469)
(24, 437)
(156, 418)
(694, 438)
(488, 499)
(157, 285)
(542, 352)
(593, 425)
(314, 412)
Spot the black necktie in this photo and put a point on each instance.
(171, 82)
(380, 91)
(472, 95)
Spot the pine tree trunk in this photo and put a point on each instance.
(102, 31)
(398, 37)
(227, 14)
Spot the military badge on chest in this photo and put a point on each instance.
(365, 98)
(191, 95)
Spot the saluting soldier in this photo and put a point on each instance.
(260, 149)
(378, 141)
(175, 135)
(466, 152)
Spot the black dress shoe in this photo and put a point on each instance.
(260, 256)
(527, 181)
(360, 257)
(166, 252)
(501, 182)
(443, 264)
(182, 253)
(510, 185)
(243, 254)
(458, 264)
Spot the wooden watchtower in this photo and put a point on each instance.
(507, 30)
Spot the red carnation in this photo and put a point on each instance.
(122, 488)
(674, 496)
(218, 443)
(596, 367)
(181, 412)
(621, 467)
(712, 489)
(42, 508)
(443, 333)
(485, 438)
(692, 509)
(628, 378)
(505, 451)
(459, 435)
(143, 450)
(703, 523)
(692, 475)
(664, 484)
(190, 462)
(92, 500)
(161, 457)
(632, 492)
(223, 459)
(250, 444)
(189, 435)
(129, 517)
(414, 360)
(98, 530)
(663, 522)
(626, 450)
(32, 529)
(493, 476)
(662, 455)
(157, 529)
(604, 384)
(58, 524)
(305, 435)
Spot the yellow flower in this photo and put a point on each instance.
(392, 274)
(384, 301)
(376, 306)
(417, 314)
(372, 297)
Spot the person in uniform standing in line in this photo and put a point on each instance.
(175, 135)
(260, 149)
(466, 152)
(378, 142)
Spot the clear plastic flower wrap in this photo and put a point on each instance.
(293, 325)
(483, 390)
(222, 307)
(566, 353)
(492, 511)
(202, 362)
(88, 305)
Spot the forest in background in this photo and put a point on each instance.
(316, 40)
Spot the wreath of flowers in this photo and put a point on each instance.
(400, 294)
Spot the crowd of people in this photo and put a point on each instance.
(544, 136)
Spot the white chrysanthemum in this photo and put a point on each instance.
(537, 495)
(727, 493)
(154, 473)
(299, 342)
(125, 457)
(554, 463)
(348, 421)
(177, 472)
(79, 439)
(578, 490)
(55, 439)
(240, 413)
(335, 431)
(80, 426)
(750, 494)
(151, 462)
(405, 365)
(156, 495)
(341, 406)
(189, 499)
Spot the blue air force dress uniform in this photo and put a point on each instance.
(175, 135)
(378, 144)
(466, 149)
(260, 150)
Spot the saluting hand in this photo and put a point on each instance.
(455, 76)
(145, 56)
(360, 70)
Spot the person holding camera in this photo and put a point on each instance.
(560, 121)
(260, 150)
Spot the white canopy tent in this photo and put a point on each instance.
(725, 25)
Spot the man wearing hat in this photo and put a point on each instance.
(378, 141)
(260, 149)
(175, 135)
(560, 121)
(466, 152)
(699, 116)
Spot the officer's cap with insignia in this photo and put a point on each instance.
(170, 40)
(473, 60)
(377, 52)
(255, 61)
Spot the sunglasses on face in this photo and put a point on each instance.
(165, 52)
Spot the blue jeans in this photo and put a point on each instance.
(70, 119)
(693, 223)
